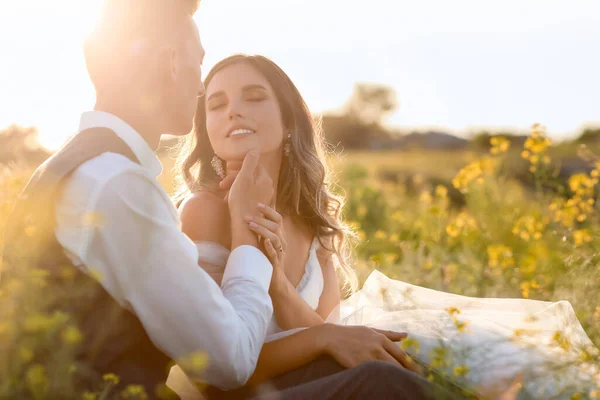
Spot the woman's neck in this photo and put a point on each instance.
(272, 163)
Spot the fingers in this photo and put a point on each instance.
(267, 234)
(270, 213)
(271, 252)
(226, 183)
(234, 166)
(249, 165)
(270, 225)
(387, 357)
(398, 354)
(393, 336)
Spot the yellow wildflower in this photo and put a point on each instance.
(452, 310)
(410, 343)
(461, 370)
(26, 354)
(441, 191)
(463, 223)
(581, 236)
(37, 380)
(381, 235)
(500, 255)
(397, 216)
(528, 286)
(37, 323)
(528, 227)
(426, 198)
(88, 396)
(71, 335)
(561, 340)
(452, 230)
(427, 265)
(134, 392)
(461, 325)
(473, 172)
(111, 379)
(499, 145)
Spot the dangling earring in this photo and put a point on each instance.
(217, 165)
(288, 146)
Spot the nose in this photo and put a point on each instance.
(235, 108)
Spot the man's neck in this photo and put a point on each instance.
(145, 125)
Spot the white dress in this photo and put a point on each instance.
(213, 258)
(495, 339)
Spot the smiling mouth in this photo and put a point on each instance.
(239, 132)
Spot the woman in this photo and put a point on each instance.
(250, 103)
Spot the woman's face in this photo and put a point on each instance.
(242, 113)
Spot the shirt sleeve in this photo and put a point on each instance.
(151, 267)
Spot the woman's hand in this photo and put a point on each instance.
(270, 229)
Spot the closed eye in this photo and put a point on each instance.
(216, 106)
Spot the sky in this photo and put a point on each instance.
(458, 65)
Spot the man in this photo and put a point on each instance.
(116, 224)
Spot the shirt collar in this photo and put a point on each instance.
(141, 149)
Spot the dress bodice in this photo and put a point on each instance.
(213, 258)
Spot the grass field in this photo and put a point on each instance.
(444, 220)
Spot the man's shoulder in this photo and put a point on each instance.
(104, 167)
(100, 173)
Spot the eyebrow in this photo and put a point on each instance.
(244, 89)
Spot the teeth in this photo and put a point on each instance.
(241, 132)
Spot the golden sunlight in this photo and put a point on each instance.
(47, 34)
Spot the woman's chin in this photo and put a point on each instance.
(239, 151)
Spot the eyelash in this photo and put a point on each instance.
(252, 100)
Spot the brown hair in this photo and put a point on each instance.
(304, 189)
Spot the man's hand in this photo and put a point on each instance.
(353, 345)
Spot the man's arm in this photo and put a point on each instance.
(152, 267)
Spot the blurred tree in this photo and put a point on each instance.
(371, 103)
(20, 145)
(589, 135)
(360, 122)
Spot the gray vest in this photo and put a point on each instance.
(114, 340)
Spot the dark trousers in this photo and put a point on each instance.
(327, 380)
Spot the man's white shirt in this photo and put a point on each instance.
(116, 221)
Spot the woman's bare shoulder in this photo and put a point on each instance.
(205, 217)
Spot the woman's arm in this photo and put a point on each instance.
(205, 217)
(349, 346)
(289, 353)
(290, 309)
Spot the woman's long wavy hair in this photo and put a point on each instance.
(304, 188)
